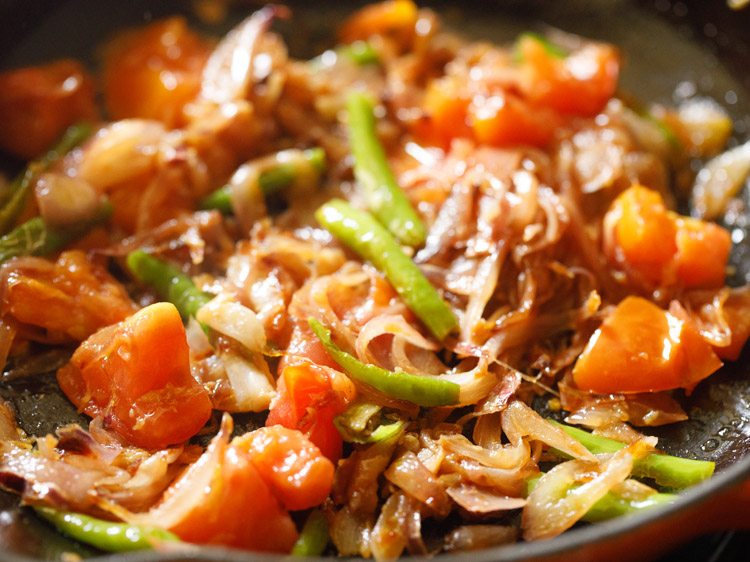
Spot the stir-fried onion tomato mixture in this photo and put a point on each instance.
(388, 253)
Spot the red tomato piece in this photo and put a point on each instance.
(152, 72)
(38, 103)
(503, 119)
(702, 253)
(642, 348)
(580, 84)
(292, 466)
(392, 17)
(446, 111)
(136, 374)
(222, 499)
(308, 398)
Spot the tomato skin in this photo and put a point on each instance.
(580, 84)
(446, 112)
(642, 348)
(136, 374)
(38, 103)
(293, 467)
(152, 72)
(309, 397)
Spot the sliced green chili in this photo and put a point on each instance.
(613, 505)
(362, 422)
(280, 175)
(360, 53)
(16, 196)
(168, 281)
(384, 197)
(313, 539)
(363, 234)
(105, 535)
(665, 470)
(420, 390)
(35, 238)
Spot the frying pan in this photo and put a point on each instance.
(684, 46)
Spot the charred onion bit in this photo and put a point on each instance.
(136, 375)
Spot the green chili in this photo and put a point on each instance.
(313, 539)
(20, 188)
(105, 535)
(360, 53)
(665, 470)
(35, 238)
(169, 282)
(384, 197)
(362, 422)
(362, 233)
(283, 173)
(420, 390)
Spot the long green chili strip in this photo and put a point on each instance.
(420, 390)
(363, 234)
(666, 470)
(35, 238)
(613, 505)
(169, 282)
(276, 177)
(384, 197)
(20, 189)
(105, 535)
(313, 539)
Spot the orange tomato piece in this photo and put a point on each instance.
(292, 466)
(385, 18)
(446, 110)
(136, 374)
(737, 313)
(663, 246)
(222, 499)
(308, 398)
(503, 119)
(580, 84)
(38, 103)
(152, 72)
(644, 231)
(642, 348)
(702, 253)
(70, 299)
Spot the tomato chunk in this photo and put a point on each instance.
(222, 499)
(702, 253)
(293, 467)
(38, 103)
(642, 348)
(308, 398)
(663, 246)
(579, 84)
(392, 17)
(504, 119)
(152, 72)
(136, 374)
(70, 299)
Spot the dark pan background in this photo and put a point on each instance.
(668, 46)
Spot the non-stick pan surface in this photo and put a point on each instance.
(670, 48)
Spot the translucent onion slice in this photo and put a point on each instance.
(557, 501)
(65, 201)
(235, 320)
(721, 180)
(476, 537)
(250, 381)
(481, 501)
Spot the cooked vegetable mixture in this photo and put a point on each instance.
(393, 256)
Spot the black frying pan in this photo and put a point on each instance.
(698, 42)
